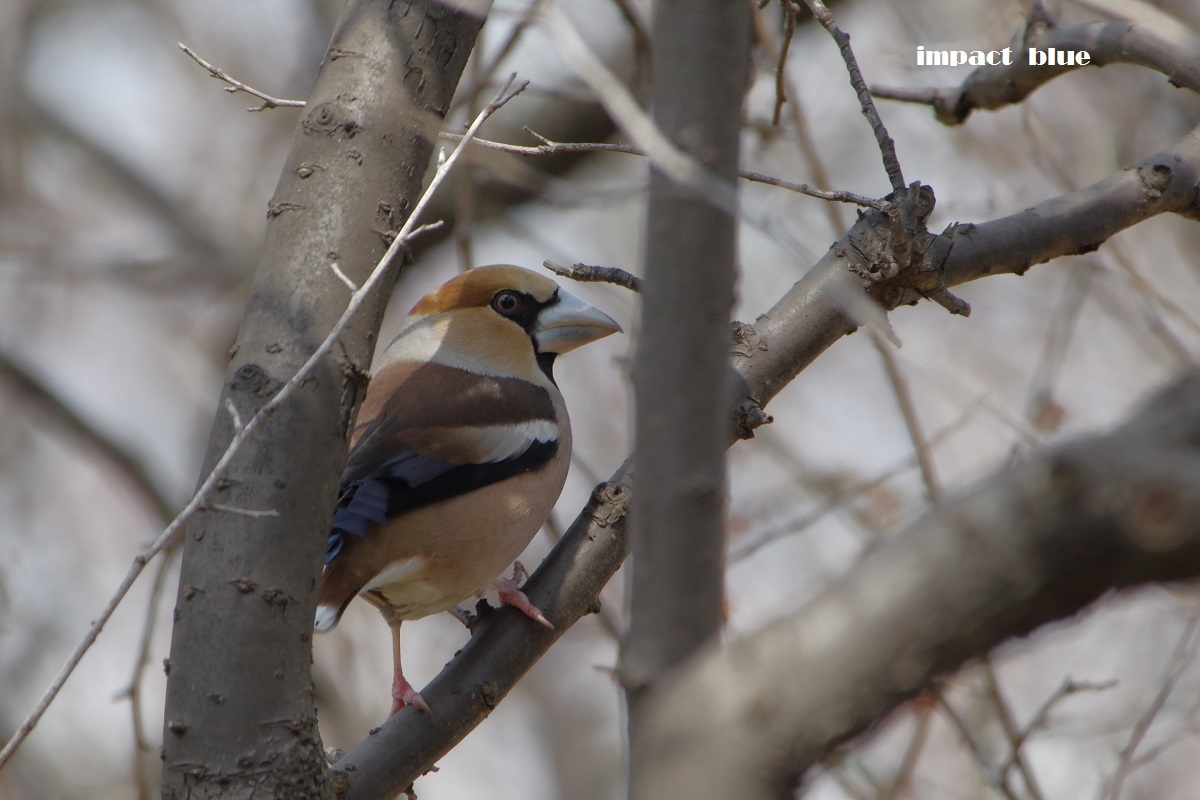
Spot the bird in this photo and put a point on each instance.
(459, 452)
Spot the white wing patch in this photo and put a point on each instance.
(499, 442)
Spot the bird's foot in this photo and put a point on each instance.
(403, 694)
(510, 595)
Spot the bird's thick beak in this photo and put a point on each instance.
(569, 323)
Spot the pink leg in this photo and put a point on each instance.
(510, 595)
(402, 691)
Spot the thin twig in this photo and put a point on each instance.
(795, 109)
(343, 277)
(547, 146)
(139, 563)
(912, 754)
(995, 778)
(923, 96)
(902, 212)
(1182, 654)
(551, 147)
(1040, 407)
(236, 86)
(399, 242)
(1154, 295)
(481, 73)
(840, 773)
(839, 497)
(923, 454)
(465, 200)
(836, 195)
(623, 107)
(908, 411)
(1038, 721)
(642, 47)
(1011, 733)
(586, 273)
(781, 87)
(141, 742)
(887, 147)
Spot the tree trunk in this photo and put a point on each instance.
(681, 373)
(240, 718)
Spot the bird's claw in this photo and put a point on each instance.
(403, 694)
(510, 595)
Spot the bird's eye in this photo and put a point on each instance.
(507, 302)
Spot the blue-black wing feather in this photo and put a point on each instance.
(410, 480)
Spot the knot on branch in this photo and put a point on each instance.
(896, 257)
(255, 380)
(1156, 178)
(609, 503)
(748, 415)
(743, 337)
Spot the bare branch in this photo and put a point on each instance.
(1106, 42)
(839, 497)
(995, 778)
(835, 195)
(237, 86)
(923, 718)
(908, 411)
(786, 93)
(781, 93)
(995, 563)
(887, 147)
(1081, 221)
(1016, 757)
(550, 147)
(1068, 688)
(1181, 656)
(585, 273)
(482, 73)
(637, 124)
(141, 742)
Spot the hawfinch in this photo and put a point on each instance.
(459, 454)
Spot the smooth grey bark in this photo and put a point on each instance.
(1030, 545)
(681, 371)
(240, 719)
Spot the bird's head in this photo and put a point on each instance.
(498, 319)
